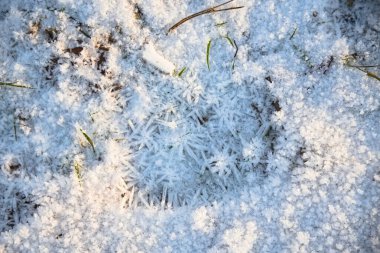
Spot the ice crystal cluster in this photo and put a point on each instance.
(273, 147)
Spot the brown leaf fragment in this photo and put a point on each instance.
(74, 50)
(276, 105)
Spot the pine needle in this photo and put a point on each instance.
(208, 54)
(206, 11)
(89, 140)
(15, 85)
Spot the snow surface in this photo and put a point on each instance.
(279, 154)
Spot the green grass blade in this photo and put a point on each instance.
(208, 54)
(15, 85)
(303, 55)
(89, 140)
(373, 75)
(92, 113)
(182, 71)
(220, 24)
(368, 73)
(77, 171)
(230, 41)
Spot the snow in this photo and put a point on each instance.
(279, 152)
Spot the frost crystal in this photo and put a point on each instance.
(275, 148)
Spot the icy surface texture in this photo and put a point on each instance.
(276, 149)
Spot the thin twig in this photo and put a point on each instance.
(80, 25)
(363, 66)
(294, 32)
(206, 11)
(14, 127)
(237, 50)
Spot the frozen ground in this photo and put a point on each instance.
(279, 154)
